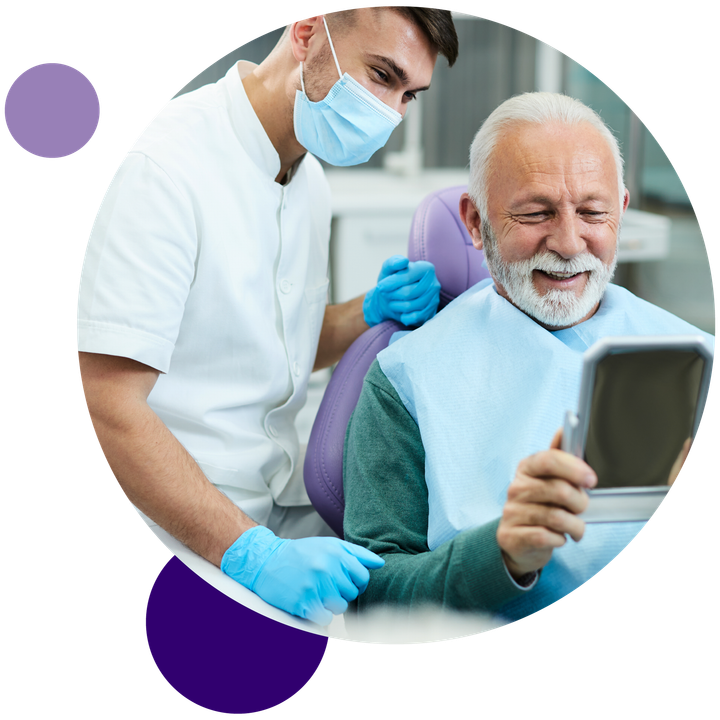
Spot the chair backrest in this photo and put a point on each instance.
(437, 234)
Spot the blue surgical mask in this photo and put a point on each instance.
(348, 126)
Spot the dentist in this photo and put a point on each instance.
(202, 305)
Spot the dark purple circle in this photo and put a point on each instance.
(218, 653)
(52, 110)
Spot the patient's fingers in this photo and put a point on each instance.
(554, 491)
(558, 464)
(542, 508)
(556, 443)
(553, 519)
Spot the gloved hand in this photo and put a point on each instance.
(312, 578)
(406, 291)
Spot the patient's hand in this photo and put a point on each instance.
(544, 500)
(679, 461)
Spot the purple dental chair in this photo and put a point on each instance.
(437, 234)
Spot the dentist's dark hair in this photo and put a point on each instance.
(437, 25)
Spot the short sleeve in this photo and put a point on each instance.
(139, 267)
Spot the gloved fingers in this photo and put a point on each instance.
(414, 290)
(347, 581)
(339, 574)
(332, 603)
(418, 317)
(392, 265)
(408, 291)
(335, 589)
(427, 303)
(367, 557)
(399, 280)
(392, 282)
(314, 578)
(418, 272)
(358, 574)
(335, 604)
(339, 580)
(419, 268)
(356, 566)
(317, 613)
(371, 310)
(308, 578)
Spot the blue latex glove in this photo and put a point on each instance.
(312, 578)
(406, 291)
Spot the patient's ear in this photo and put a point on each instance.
(471, 219)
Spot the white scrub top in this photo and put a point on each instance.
(203, 267)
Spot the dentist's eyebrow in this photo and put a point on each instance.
(399, 72)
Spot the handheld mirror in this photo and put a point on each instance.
(641, 400)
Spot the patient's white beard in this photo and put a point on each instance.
(556, 308)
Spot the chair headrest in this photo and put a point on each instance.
(438, 234)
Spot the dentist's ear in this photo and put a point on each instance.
(302, 34)
(626, 200)
(471, 219)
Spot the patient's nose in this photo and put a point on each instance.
(565, 237)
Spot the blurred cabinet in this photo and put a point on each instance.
(372, 212)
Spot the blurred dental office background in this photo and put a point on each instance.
(662, 256)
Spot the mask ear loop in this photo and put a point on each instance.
(332, 48)
(327, 30)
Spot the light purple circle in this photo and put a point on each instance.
(52, 110)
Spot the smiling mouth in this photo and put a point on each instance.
(559, 275)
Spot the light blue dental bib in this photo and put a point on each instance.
(488, 387)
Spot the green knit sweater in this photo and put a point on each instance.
(386, 511)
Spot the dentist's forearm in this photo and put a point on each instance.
(342, 325)
(154, 470)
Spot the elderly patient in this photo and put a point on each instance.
(453, 472)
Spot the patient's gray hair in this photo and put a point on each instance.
(540, 108)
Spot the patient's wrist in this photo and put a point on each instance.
(527, 580)
(522, 578)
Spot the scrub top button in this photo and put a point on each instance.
(296, 369)
(272, 430)
(285, 286)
